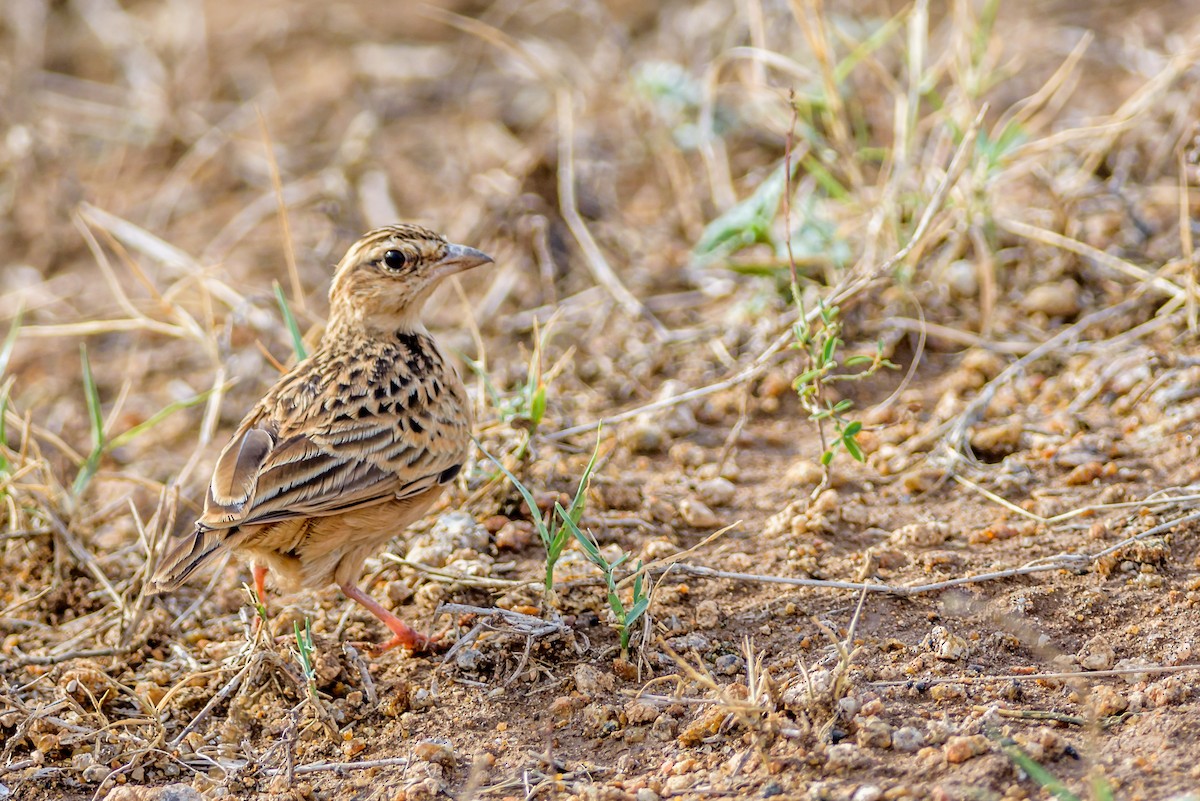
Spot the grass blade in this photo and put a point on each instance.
(96, 421)
(290, 321)
(10, 341)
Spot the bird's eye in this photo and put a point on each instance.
(394, 260)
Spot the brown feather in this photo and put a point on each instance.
(353, 443)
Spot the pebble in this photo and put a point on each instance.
(592, 682)
(1106, 701)
(946, 645)
(170, 792)
(868, 792)
(468, 659)
(697, 514)
(999, 440)
(439, 752)
(646, 794)
(514, 535)
(637, 713)
(421, 699)
(1134, 662)
(922, 535)
(708, 614)
(804, 472)
(716, 491)
(907, 739)
(959, 749)
(1053, 300)
(843, 755)
(729, 664)
(873, 732)
(644, 435)
(960, 277)
(1097, 654)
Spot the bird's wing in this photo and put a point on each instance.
(312, 458)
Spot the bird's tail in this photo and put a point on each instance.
(190, 553)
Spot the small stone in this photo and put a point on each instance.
(637, 713)
(687, 454)
(843, 756)
(868, 792)
(804, 472)
(397, 592)
(716, 491)
(946, 645)
(907, 739)
(961, 278)
(439, 752)
(708, 614)
(1106, 701)
(921, 535)
(1053, 300)
(421, 699)
(999, 440)
(697, 514)
(644, 435)
(873, 732)
(592, 682)
(959, 749)
(646, 794)
(469, 659)
(1097, 654)
(729, 664)
(514, 535)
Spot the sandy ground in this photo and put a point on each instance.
(1008, 580)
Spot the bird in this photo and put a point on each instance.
(350, 446)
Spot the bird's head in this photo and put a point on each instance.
(386, 276)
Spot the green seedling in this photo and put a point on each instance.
(289, 320)
(259, 607)
(525, 407)
(305, 650)
(102, 444)
(624, 617)
(1101, 789)
(821, 344)
(553, 528)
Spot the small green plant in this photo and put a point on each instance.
(525, 406)
(289, 320)
(260, 608)
(101, 444)
(1101, 789)
(553, 528)
(820, 344)
(624, 617)
(305, 650)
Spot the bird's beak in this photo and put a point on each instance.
(460, 258)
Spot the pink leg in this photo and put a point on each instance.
(260, 584)
(405, 634)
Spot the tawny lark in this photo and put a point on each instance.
(353, 444)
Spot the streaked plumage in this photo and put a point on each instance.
(354, 443)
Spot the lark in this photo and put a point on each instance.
(353, 444)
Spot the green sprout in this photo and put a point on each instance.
(553, 529)
(289, 320)
(101, 444)
(624, 617)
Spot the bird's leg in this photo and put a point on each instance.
(260, 585)
(406, 635)
(260, 596)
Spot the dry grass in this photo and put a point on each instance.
(1016, 182)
